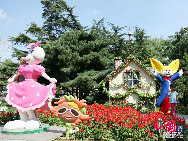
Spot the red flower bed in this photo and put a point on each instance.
(8, 116)
(110, 122)
(126, 116)
(122, 122)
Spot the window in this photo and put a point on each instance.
(132, 79)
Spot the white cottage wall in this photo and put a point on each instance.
(119, 80)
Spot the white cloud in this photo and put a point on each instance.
(2, 14)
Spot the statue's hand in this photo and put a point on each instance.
(181, 72)
(10, 80)
(53, 80)
(51, 96)
(154, 72)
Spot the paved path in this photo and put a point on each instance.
(52, 133)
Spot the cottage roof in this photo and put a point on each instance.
(124, 64)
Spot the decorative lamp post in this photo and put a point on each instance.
(129, 33)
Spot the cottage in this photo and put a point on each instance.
(130, 80)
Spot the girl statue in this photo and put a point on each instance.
(29, 95)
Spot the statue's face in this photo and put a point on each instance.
(35, 56)
(30, 60)
(167, 71)
(67, 113)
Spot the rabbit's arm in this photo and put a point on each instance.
(13, 78)
(53, 80)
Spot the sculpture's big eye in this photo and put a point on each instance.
(75, 112)
(62, 110)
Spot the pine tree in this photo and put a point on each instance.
(81, 59)
(178, 49)
(7, 69)
(58, 18)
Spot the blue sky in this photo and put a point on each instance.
(159, 18)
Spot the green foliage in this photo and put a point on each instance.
(45, 117)
(48, 118)
(7, 69)
(8, 116)
(182, 109)
(81, 58)
(178, 49)
(18, 53)
(144, 47)
(139, 46)
(59, 18)
(21, 39)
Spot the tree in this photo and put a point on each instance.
(82, 57)
(18, 53)
(141, 47)
(178, 49)
(144, 47)
(58, 17)
(119, 45)
(7, 69)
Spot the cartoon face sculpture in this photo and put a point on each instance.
(70, 110)
(165, 71)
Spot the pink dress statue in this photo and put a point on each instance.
(29, 94)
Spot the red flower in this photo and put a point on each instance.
(47, 114)
(147, 131)
(151, 135)
(81, 130)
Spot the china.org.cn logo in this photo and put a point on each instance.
(172, 131)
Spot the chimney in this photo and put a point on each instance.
(117, 62)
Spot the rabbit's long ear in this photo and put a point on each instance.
(157, 65)
(174, 65)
